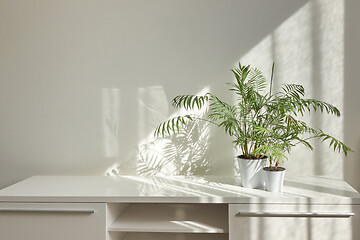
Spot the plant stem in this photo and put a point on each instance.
(272, 75)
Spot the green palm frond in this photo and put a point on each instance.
(274, 152)
(313, 104)
(241, 73)
(293, 90)
(172, 125)
(225, 113)
(190, 101)
(337, 145)
(257, 80)
(220, 109)
(305, 143)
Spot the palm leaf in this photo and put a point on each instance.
(190, 101)
(313, 104)
(293, 90)
(337, 145)
(172, 126)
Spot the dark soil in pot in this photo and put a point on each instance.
(243, 157)
(274, 169)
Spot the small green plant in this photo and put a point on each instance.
(261, 123)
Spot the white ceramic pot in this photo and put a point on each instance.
(274, 180)
(252, 175)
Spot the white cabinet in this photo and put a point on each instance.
(295, 222)
(52, 221)
(177, 208)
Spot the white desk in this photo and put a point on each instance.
(176, 208)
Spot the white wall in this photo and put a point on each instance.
(83, 83)
(352, 87)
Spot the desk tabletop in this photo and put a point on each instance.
(176, 189)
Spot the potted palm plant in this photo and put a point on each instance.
(263, 125)
(283, 129)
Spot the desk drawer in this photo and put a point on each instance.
(52, 221)
(295, 222)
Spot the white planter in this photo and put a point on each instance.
(252, 175)
(274, 180)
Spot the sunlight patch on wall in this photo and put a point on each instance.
(111, 121)
(153, 108)
(308, 49)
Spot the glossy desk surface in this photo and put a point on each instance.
(175, 189)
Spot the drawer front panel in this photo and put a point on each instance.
(55, 221)
(296, 222)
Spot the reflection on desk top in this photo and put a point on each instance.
(176, 189)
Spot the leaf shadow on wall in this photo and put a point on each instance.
(184, 153)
